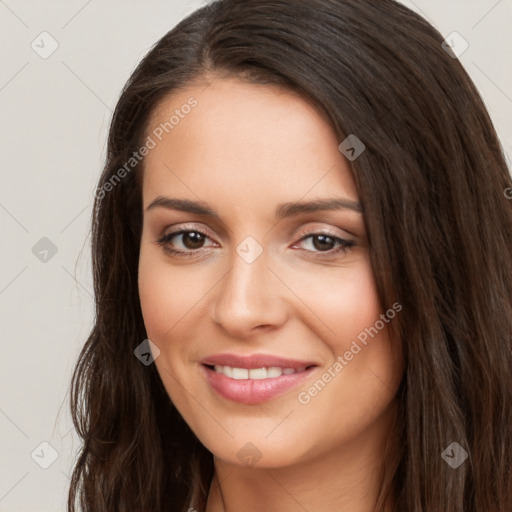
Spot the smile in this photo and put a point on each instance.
(254, 379)
(255, 373)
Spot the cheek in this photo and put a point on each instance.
(361, 327)
(345, 302)
(366, 367)
(166, 295)
(157, 298)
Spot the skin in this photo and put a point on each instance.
(245, 149)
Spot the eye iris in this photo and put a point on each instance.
(323, 241)
(196, 239)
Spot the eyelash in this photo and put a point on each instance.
(164, 241)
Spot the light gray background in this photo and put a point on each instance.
(53, 128)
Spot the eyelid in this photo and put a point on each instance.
(317, 230)
(304, 232)
(175, 229)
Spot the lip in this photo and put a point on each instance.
(254, 391)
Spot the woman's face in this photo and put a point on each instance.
(273, 344)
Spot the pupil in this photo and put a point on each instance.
(196, 240)
(323, 239)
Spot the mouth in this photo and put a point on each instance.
(254, 379)
(270, 372)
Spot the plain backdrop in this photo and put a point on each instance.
(55, 114)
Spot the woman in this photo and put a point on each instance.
(303, 278)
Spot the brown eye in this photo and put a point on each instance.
(325, 243)
(192, 239)
(184, 242)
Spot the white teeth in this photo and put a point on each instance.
(274, 371)
(240, 373)
(255, 373)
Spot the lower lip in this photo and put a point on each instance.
(253, 391)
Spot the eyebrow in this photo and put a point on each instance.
(284, 210)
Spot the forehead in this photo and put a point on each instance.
(247, 142)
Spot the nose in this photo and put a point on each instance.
(249, 298)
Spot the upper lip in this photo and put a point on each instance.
(254, 361)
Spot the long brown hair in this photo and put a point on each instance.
(432, 182)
